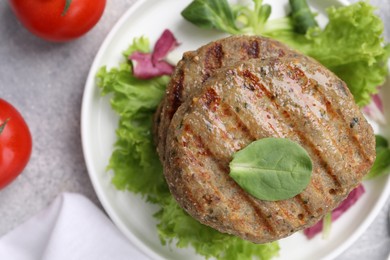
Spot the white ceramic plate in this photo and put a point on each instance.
(130, 213)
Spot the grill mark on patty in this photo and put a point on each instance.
(259, 115)
(212, 60)
(214, 55)
(206, 150)
(228, 111)
(174, 181)
(257, 84)
(297, 74)
(252, 48)
(286, 208)
(225, 170)
(303, 203)
(177, 92)
(259, 212)
(188, 193)
(281, 53)
(336, 114)
(212, 100)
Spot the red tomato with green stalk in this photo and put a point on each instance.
(58, 20)
(15, 143)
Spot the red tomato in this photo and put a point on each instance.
(15, 143)
(50, 20)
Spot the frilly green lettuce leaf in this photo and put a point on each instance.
(177, 226)
(351, 45)
(134, 155)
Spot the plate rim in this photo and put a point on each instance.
(88, 91)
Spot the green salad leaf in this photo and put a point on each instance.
(381, 165)
(253, 20)
(352, 46)
(211, 14)
(177, 226)
(234, 19)
(380, 142)
(302, 16)
(137, 168)
(272, 169)
(134, 100)
(140, 44)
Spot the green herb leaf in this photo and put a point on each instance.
(66, 7)
(211, 14)
(381, 165)
(2, 126)
(302, 16)
(252, 20)
(235, 19)
(272, 169)
(135, 101)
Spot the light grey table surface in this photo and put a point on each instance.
(45, 81)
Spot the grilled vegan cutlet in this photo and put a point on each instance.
(287, 96)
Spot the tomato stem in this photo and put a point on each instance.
(2, 126)
(67, 5)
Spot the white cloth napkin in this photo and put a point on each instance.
(72, 227)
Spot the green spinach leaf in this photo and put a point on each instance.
(272, 168)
